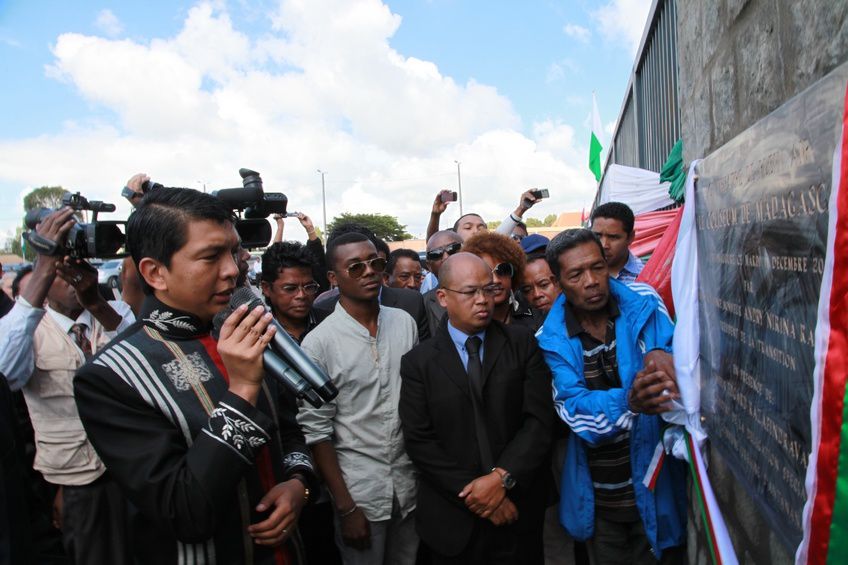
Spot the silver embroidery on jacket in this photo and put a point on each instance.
(188, 372)
(296, 459)
(165, 321)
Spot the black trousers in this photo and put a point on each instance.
(94, 523)
(496, 545)
(625, 543)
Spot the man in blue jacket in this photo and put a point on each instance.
(608, 349)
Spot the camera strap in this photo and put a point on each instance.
(42, 245)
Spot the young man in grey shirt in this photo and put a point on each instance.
(356, 439)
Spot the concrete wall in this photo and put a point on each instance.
(738, 61)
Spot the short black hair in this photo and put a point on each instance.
(158, 228)
(616, 211)
(353, 227)
(16, 282)
(520, 225)
(340, 240)
(456, 223)
(536, 255)
(569, 239)
(397, 254)
(286, 255)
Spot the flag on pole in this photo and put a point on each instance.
(595, 141)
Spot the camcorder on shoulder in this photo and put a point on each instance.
(107, 239)
(98, 238)
(253, 205)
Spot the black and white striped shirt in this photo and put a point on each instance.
(609, 463)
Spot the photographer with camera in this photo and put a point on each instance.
(43, 348)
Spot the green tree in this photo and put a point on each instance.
(533, 222)
(13, 246)
(384, 226)
(550, 219)
(44, 197)
(493, 225)
(41, 197)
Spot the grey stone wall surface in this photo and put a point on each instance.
(738, 60)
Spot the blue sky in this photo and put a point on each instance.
(481, 81)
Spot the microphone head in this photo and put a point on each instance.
(219, 320)
(244, 295)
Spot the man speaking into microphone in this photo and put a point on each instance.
(201, 443)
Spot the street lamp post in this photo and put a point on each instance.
(324, 200)
(459, 185)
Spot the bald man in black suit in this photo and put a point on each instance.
(477, 412)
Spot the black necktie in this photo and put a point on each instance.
(475, 381)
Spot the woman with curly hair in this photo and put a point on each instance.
(507, 260)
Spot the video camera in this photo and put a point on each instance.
(253, 206)
(102, 239)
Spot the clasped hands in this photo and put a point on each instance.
(486, 497)
(655, 386)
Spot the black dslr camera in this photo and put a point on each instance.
(102, 239)
(253, 206)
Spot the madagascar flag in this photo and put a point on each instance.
(826, 512)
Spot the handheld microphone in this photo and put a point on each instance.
(289, 349)
(275, 366)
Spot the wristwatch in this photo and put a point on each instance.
(506, 479)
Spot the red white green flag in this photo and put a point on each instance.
(826, 511)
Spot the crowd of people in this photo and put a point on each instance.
(498, 402)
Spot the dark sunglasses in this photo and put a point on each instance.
(504, 270)
(439, 252)
(356, 270)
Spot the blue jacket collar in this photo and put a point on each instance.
(635, 310)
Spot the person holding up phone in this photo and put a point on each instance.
(512, 224)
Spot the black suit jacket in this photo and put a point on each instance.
(435, 311)
(438, 426)
(409, 301)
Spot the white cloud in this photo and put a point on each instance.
(623, 21)
(557, 70)
(577, 32)
(108, 23)
(324, 90)
(10, 41)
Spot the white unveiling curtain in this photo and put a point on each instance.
(638, 188)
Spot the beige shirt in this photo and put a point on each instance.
(363, 421)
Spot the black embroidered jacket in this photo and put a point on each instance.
(191, 457)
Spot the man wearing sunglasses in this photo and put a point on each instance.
(356, 439)
(409, 301)
(477, 413)
(440, 246)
